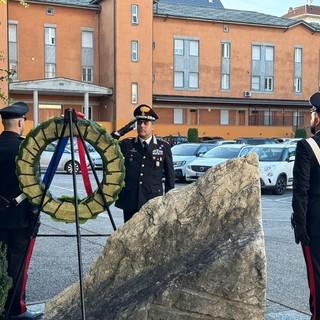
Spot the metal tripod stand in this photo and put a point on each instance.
(70, 119)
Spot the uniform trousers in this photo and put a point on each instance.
(127, 215)
(312, 258)
(17, 244)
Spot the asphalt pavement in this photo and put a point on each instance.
(55, 261)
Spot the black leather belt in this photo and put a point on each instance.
(5, 203)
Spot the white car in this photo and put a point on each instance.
(65, 163)
(184, 153)
(94, 155)
(219, 154)
(276, 166)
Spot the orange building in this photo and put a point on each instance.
(226, 72)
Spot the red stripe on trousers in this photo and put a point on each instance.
(25, 277)
(311, 281)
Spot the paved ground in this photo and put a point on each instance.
(54, 265)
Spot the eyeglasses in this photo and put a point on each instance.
(24, 117)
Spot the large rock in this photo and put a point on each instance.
(195, 253)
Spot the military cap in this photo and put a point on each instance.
(315, 101)
(144, 112)
(16, 110)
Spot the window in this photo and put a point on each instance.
(297, 85)
(50, 11)
(269, 53)
(178, 79)
(178, 47)
(87, 74)
(50, 70)
(50, 51)
(298, 55)
(13, 50)
(178, 116)
(224, 117)
(50, 36)
(225, 82)
(255, 83)
(193, 80)
(256, 53)
(87, 52)
(226, 50)
(262, 68)
(268, 84)
(186, 64)
(134, 93)
(225, 66)
(134, 14)
(194, 48)
(297, 119)
(134, 51)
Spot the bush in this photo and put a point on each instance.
(5, 280)
(193, 135)
(300, 133)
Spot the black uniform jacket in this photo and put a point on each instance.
(306, 187)
(144, 172)
(15, 216)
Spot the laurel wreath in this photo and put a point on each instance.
(63, 208)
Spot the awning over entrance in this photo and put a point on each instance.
(58, 86)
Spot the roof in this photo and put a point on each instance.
(183, 11)
(203, 3)
(302, 10)
(69, 3)
(59, 86)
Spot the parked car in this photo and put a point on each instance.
(173, 140)
(205, 139)
(94, 155)
(255, 141)
(184, 153)
(221, 142)
(219, 154)
(65, 163)
(293, 141)
(276, 166)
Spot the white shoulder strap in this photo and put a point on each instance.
(314, 146)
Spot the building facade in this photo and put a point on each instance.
(226, 72)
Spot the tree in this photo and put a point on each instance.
(300, 133)
(193, 135)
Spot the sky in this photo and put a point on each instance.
(273, 7)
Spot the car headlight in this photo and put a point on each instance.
(179, 163)
(269, 170)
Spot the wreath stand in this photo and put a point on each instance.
(70, 118)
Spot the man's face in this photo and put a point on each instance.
(313, 122)
(145, 128)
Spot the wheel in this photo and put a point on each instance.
(68, 167)
(281, 185)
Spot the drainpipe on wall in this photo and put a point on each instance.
(35, 108)
(114, 67)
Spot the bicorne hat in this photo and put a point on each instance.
(144, 112)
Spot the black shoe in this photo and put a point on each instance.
(28, 315)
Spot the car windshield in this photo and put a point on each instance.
(184, 150)
(268, 154)
(223, 153)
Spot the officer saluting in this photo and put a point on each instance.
(146, 159)
(16, 217)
